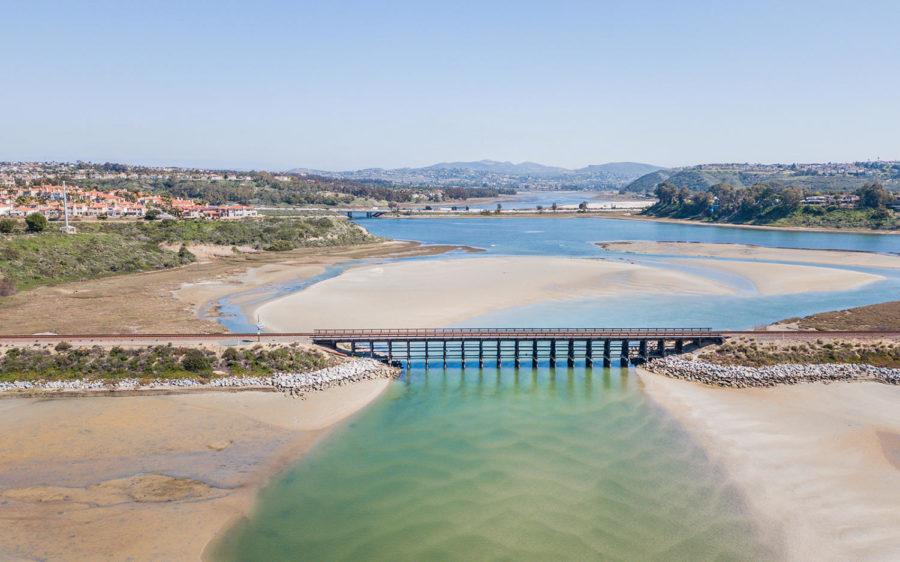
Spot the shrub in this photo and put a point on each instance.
(280, 246)
(7, 287)
(63, 346)
(185, 255)
(7, 226)
(195, 361)
(151, 215)
(36, 222)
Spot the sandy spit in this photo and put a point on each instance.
(820, 462)
(750, 252)
(442, 292)
(148, 477)
(785, 279)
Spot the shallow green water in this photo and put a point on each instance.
(504, 464)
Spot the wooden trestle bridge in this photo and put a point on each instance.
(494, 345)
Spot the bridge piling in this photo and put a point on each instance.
(516, 353)
(589, 353)
(624, 354)
(553, 353)
(661, 348)
(570, 354)
(534, 353)
(643, 351)
(607, 354)
(372, 349)
(444, 349)
(499, 360)
(679, 346)
(480, 354)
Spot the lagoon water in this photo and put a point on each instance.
(522, 464)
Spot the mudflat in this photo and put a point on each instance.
(148, 477)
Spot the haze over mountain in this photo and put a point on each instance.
(482, 173)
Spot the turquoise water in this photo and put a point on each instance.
(522, 464)
(504, 465)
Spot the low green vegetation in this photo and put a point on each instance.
(65, 362)
(263, 188)
(30, 259)
(753, 353)
(773, 205)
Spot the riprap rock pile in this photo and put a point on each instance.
(295, 384)
(771, 375)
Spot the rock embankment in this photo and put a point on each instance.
(294, 384)
(743, 377)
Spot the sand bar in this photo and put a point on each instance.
(821, 462)
(762, 253)
(148, 477)
(447, 291)
(786, 279)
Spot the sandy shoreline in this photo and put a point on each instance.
(820, 462)
(761, 253)
(149, 477)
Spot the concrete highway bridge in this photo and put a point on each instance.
(469, 345)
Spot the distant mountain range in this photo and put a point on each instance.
(492, 173)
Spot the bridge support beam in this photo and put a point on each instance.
(444, 352)
(480, 353)
(534, 353)
(407, 354)
(624, 356)
(553, 353)
(570, 354)
(679, 346)
(643, 350)
(353, 347)
(516, 353)
(661, 348)
(462, 352)
(499, 361)
(589, 353)
(607, 353)
(372, 349)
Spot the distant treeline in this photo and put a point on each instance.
(267, 189)
(769, 204)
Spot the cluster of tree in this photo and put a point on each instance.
(266, 189)
(762, 202)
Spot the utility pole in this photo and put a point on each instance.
(67, 229)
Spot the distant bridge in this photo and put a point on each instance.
(359, 214)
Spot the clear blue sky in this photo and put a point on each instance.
(341, 85)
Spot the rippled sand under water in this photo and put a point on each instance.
(504, 464)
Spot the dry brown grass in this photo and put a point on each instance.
(882, 316)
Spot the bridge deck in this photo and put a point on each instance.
(512, 333)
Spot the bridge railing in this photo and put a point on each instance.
(507, 332)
